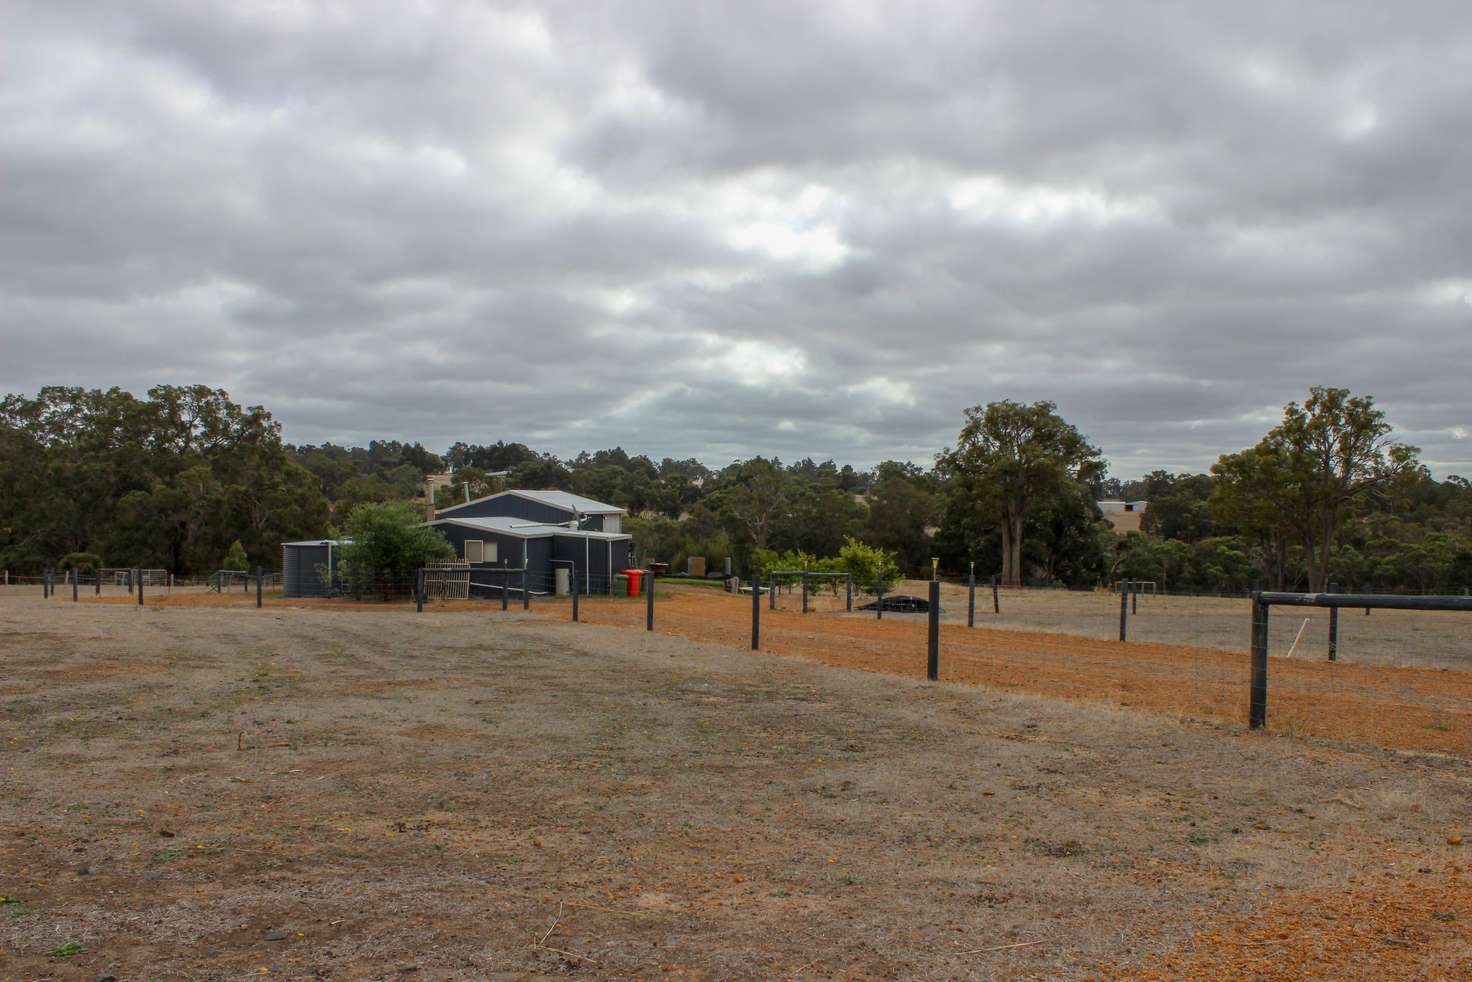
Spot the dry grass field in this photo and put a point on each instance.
(201, 790)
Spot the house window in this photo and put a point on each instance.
(477, 551)
(612, 523)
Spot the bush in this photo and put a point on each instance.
(388, 546)
(235, 558)
(81, 562)
(863, 562)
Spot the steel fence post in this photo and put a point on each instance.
(1258, 712)
(756, 611)
(1124, 609)
(804, 592)
(649, 602)
(878, 596)
(574, 577)
(932, 665)
(1333, 633)
(971, 599)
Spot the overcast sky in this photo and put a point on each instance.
(720, 229)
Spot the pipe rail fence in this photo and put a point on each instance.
(787, 576)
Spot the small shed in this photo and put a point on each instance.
(306, 566)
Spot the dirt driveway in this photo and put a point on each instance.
(301, 792)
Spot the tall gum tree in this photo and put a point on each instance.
(1007, 456)
(1326, 456)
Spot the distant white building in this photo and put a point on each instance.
(1125, 516)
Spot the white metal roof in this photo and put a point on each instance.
(565, 500)
(321, 542)
(523, 529)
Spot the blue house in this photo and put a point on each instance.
(539, 531)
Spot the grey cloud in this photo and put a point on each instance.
(725, 229)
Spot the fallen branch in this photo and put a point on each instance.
(999, 947)
(567, 954)
(580, 905)
(1298, 638)
(555, 922)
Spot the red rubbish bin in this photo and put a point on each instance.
(635, 576)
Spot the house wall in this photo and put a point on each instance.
(592, 563)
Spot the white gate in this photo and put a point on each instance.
(447, 581)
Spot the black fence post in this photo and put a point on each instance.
(419, 590)
(526, 596)
(756, 611)
(505, 588)
(1134, 597)
(98, 591)
(140, 586)
(771, 591)
(1333, 633)
(649, 602)
(878, 597)
(74, 585)
(804, 593)
(971, 599)
(260, 585)
(574, 576)
(1124, 609)
(1258, 713)
(45, 583)
(996, 597)
(932, 665)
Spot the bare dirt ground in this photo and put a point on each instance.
(191, 791)
(1404, 708)
(1391, 638)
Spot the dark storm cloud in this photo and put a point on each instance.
(723, 229)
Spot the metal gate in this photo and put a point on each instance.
(447, 581)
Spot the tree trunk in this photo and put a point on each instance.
(1012, 549)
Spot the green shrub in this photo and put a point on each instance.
(388, 545)
(81, 562)
(235, 558)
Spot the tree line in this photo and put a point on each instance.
(175, 478)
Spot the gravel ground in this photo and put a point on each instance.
(336, 792)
